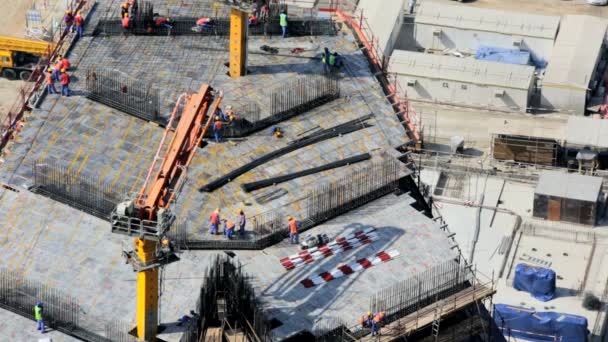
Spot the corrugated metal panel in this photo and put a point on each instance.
(587, 131)
(569, 185)
(470, 70)
(575, 52)
(470, 18)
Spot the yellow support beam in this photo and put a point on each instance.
(238, 42)
(147, 292)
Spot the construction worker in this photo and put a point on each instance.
(38, 316)
(125, 22)
(124, 9)
(163, 22)
(376, 323)
(264, 12)
(242, 222)
(252, 20)
(68, 19)
(65, 83)
(65, 63)
(214, 219)
(228, 229)
(78, 20)
(325, 60)
(57, 69)
(335, 60)
(204, 22)
(50, 82)
(217, 129)
(293, 230)
(227, 114)
(283, 22)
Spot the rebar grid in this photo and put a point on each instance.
(116, 90)
(80, 191)
(226, 294)
(352, 191)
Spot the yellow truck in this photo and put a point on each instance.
(19, 56)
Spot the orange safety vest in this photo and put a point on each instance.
(202, 21)
(78, 19)
(215, 217)
(379, 316)
(49, 78)
(159, 21)
(125, 22)
(217, 125)
(65, 63)
(293, 227)
(229, 225)
(65, 79)
(58, 65)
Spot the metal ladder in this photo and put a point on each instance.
(437, 320)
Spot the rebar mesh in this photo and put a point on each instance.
(80, 191)
(124, 93)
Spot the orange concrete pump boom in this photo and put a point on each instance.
(149, 218)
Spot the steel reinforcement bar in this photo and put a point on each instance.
(292, 99)
(76, 190)
(248, 187)
(124, 93)
(187, 26)
(219, 182)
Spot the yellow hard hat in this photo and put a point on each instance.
(240, 211)
(62, 70)
(217, 118)
(289, 218)
(50, 70)
(369, 313)
(217, 209)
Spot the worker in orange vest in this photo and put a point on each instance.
(78, 20)
(252, 20)
(204, 22)
(293, 230)
(214, 218)
(68, 19)
(372, 322)
(50, 82)
(65, 83)
(65, 63)
(57, 69)
(217, 129)
(228, 229)
(125, 22)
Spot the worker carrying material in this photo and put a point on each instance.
(283, 22)
(214, 221)
(228, 229)
(242, 221)
(205, 22)
(293, 230)
(252, 20)
(38, 316)
(372, 322)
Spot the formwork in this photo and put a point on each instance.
(525, 149)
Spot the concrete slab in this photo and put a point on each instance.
(17, 328)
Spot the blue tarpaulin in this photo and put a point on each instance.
(509, 56)
(540, 326)
(540, 282)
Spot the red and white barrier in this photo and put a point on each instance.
(349, 268)
(338, 245)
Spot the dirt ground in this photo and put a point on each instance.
(547, 7)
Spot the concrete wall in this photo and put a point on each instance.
(465, 94)
(563, 99)
(468, 41)
(385, 21)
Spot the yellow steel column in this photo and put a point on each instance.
(238, 42)
(147, 292)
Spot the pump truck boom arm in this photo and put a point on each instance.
(148, 218)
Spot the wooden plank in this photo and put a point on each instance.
(213, 335)
(426, 315)
(237, 336)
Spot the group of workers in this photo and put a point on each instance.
(220, 119)
(229, 225)
(59, 73)
(331, 61)
(372, 322)
(73, 22)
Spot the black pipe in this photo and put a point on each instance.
(359, 120)
(219, 182)
(248, 187)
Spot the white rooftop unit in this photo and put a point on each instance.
(573, 63)
(384, 20)
(440, 26)
(585, 131)
(462, 81)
